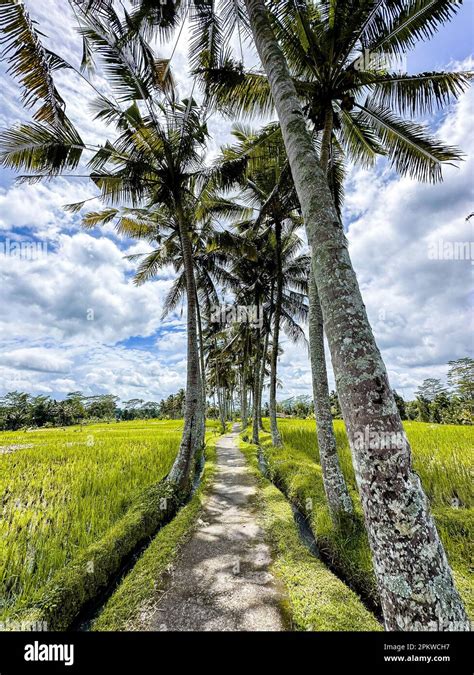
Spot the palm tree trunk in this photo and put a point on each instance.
(262, 378)
(221, 403)
(256, 393)
(246, 388)
(335, 486)
(415, 581)
(276, 437)
(243, 395)
(183, 468)
(250, 401)
(202, 370)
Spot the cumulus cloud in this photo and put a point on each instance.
(37, 358)
(419, 299)
(72, 318)
(82, 290)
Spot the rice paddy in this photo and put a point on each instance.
(442, 457)
(62, 489)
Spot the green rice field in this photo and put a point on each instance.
(62, 489)
(443, 457)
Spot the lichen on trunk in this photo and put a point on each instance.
(334, 482)
(182, 471)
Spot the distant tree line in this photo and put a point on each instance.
(303, 407)
(444, 403)
(436, 402)
(21, 410)
(139, 409)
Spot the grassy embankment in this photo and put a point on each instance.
(133, 601)
(75, 503)
(443, 460)
(316, 600)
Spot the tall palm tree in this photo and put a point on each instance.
(266, 185)
(254, 282)
(150, 164)
(354, 110)
(264, 167)
(415, 581)
(167, 164)
(222, 346)
(160, 228)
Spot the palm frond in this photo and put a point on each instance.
(207, 39)
(174, 296)
(359, 139)
(337, 174)
(150, 266)
(41, 149)
(218, 206)
(128, 61)
(136, 228)
(237, 93)
(418, 94)
(414, 20)
(410, 148)
(94, 218)
(159, 18)
(29, 62)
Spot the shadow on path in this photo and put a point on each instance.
(221, 580)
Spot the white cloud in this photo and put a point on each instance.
(37, 358)
(69, 319)
(80, 290)
(40, 207)
(420, 308)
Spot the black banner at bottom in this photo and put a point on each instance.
(327, 652)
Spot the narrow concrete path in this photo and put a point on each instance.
(221, 580)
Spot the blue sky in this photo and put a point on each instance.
(71, 318)
(453, 43)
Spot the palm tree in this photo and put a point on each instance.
(254, 279)
(151, 164)
(264, 176)
(168, 164)
(161, 229)
(406, 548)
(266, 184)
(415, 581)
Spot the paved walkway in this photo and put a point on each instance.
(221, 580)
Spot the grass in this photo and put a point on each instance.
(443, 460)
(83, 497)
(134, 598)
(316, 599)
(66, 491)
